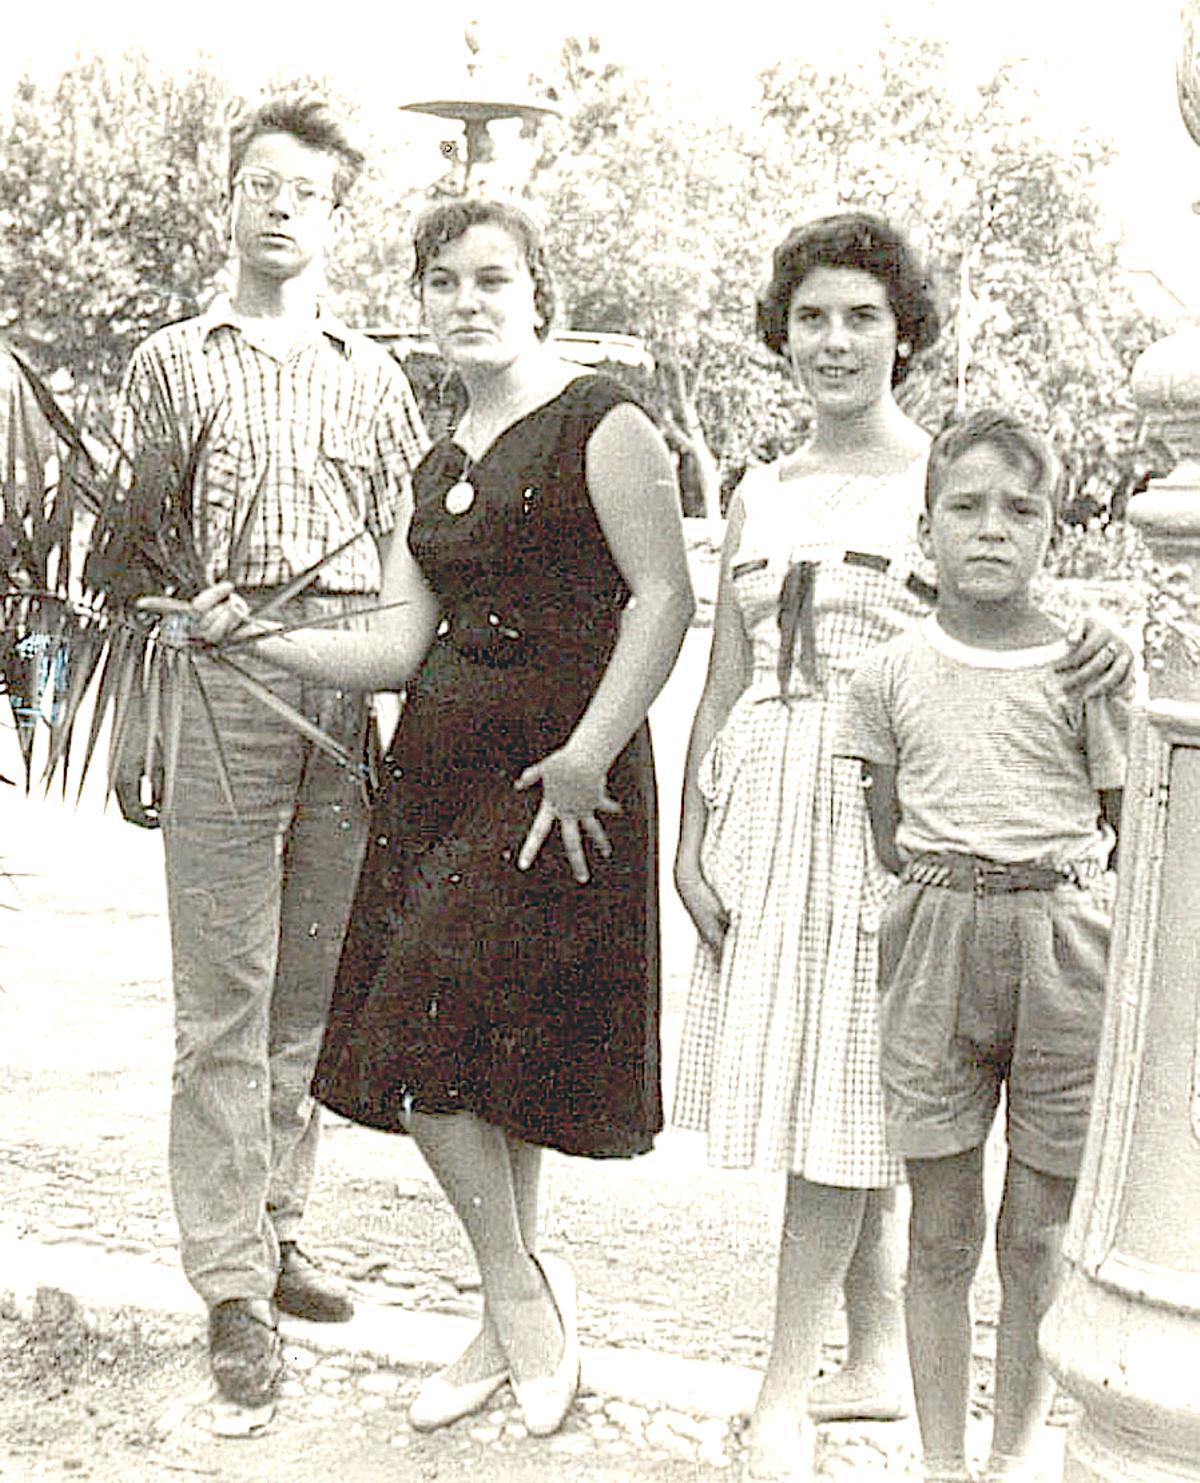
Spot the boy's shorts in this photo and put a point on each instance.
(983, 988)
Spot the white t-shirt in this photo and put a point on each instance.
(993, 756)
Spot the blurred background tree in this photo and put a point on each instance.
(664, 224)
(660, 219)
(111, 216)
(651, 215)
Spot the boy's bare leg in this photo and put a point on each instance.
(873, 1382)
(945, 1241)
(820, 1226)
(1029, 1235)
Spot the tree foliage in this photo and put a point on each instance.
(648, 216)
(660, 216)
(664, 225)
(111, 222)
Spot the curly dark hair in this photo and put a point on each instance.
(312, 120)
(852, 239)
(443, 224)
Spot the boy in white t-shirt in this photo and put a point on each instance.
(994, 795)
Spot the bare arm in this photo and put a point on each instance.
(632, 487)
(383, 657)
(728, 675)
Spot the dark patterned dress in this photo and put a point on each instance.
(466, 984)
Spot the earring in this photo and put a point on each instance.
(903, 350)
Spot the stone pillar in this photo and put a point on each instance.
(1123, 1337)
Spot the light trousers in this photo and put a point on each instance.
(258, 904)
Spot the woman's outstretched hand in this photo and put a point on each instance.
(1100, 661)
(220, 612)
(215, 614)
(574, 792)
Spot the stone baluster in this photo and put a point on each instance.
(1123, 1336)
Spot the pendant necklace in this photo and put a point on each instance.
(461, 496)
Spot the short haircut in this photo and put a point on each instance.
(1015, 442)
(852, 239)
(309, 118)
(443, 224)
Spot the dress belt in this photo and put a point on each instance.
(993, 877)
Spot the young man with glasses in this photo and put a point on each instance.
(308, 437)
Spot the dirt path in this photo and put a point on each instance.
(125, 1409)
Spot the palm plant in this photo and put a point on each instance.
(46, 638)
(123, 614)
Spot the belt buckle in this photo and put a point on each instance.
(988, 877)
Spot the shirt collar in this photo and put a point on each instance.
(977, 658)
(221, 314)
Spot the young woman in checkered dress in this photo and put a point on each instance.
(775, 863)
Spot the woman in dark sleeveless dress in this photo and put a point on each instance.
(498, 994)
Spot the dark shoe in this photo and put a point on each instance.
(304, 1291)
(244, 1350)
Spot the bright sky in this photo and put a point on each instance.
(1106, 64)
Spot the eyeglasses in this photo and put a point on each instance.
(263, 186)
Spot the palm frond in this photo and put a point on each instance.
(239, 535)
(59, 423)
(130, 677)
(289, 713)
(82, 655)
(152, 690)
(118, 656)
(214, 734)
(190, 483)
(300, 583)
(67, 634)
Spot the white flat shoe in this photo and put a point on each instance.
(544, 1402)
(440, 1401)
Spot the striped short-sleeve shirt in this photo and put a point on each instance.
(314, 447)
(994, 757)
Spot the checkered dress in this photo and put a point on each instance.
(780, 1058)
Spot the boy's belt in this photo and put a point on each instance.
(992, 877)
